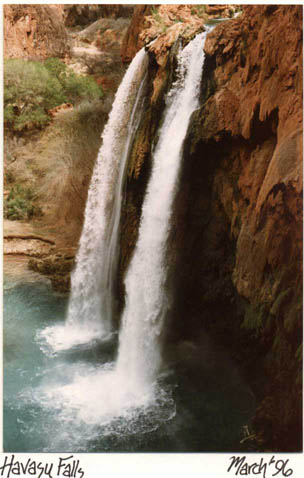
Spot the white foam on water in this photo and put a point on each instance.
(94, 403)
(62, 337)
(97, 397)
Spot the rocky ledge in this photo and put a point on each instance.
(57, 267)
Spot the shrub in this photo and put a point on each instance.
(199, 10)
(19, 204)
(31, 88)
(76, 87)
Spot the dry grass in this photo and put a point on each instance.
(57, 164)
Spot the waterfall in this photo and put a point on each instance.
(86, 399)
(146, 299)
(125, 396)
(92, 281)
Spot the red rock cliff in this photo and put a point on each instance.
(244, 206)
(34, 31)
(258, 65)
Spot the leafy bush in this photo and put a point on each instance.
(31, 88)
(76, 88)
(19, 204)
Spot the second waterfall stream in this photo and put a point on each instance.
(117, 393)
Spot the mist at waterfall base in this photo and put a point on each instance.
(73, 385)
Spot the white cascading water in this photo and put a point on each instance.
(146, 299)
(91, 301)
(125, 397)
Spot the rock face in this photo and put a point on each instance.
(75, 15)
(236, 237)
(132, 43)
(165, 23)
(34, 31)
(256, 99)
(57, 267)
(29, 246)
(240, 204)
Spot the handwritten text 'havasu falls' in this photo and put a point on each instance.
(64, 467)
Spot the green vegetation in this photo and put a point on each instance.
(162, 27)
(19, 204)
(54, 165)
(156, 14)
(75, 88)
(31, 88)
(199, 10)
(254, 319)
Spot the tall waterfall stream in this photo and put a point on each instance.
(78, 387)
(146, 300)
(91, 302)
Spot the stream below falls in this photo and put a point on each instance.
(70, 401)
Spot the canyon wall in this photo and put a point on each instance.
(34, 32)
(241, 205)
(236, 241)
